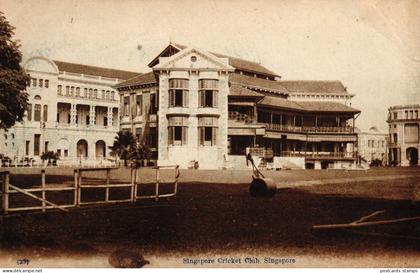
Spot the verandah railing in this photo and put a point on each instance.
(79, 186)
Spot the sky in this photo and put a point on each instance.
(372, 46)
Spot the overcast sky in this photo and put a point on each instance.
(373, 47)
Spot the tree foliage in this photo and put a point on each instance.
(13, 78)
(123, 144)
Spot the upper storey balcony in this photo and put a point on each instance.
(86, 94)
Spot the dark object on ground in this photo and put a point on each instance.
(376, 163)
(262, 187)
(123, 258)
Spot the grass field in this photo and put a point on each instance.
(214, 216)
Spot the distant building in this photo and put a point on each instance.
(372, 145)
(404, 144)
(73, 110)
(199, 106)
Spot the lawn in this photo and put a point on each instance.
(219, 217)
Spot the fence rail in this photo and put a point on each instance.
(78, 188)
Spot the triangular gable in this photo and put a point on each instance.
(195, 58)
(170, 50)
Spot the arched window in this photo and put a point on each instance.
(59, 89)
(77, 91)
(41, 82)
(47, 83)
(45, 114)
(37, 112)
(112, 95)
(37, 97)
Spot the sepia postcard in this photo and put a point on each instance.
(210, 134)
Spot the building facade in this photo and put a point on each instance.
(372, 145)
(404, 144)
(73, 110)
(198, 107)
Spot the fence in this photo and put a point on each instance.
(79, 187)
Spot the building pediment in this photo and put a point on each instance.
(41, 64)
(193, 58)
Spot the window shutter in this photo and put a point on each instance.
(170, 135)
(45, 112)
(185, 98)
(171, 98)
(201, 135)
(202, 98)
(214, 136)
(184, 135)
(215, 98)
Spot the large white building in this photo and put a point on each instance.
(199, 106)
(73, 110)
(404, 135)
(372, 145)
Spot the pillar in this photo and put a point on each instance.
(92, 115)
(110, 117)
(73, 114)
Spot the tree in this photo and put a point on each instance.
(123, 144)
(138, 153)
(50, 155)
(13, 78)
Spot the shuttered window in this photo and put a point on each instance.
(37, 113)
(177, 130)
(208, 93)
(178, 93)
(45, 114)
(126, 105)
(29, 112)
(207, 131)
(139, 105)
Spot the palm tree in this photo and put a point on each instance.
(138, 153)
(123, 143)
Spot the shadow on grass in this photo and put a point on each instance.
(212, 217)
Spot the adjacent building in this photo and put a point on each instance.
(372, 145)
(404, 144)
(201, 108)
(73, 110)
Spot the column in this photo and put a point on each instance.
(92, 115)
(73, 114)
(109, 117)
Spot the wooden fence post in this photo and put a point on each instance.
(108, 176)
(133, 185)
(157, 184)
(5, 191)
(79, 189)
(76, 190)
(43, 189)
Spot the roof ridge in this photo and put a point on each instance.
(94, 66)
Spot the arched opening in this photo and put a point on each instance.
(100, 149)
(413, 156)
(82, 148)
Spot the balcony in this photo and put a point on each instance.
(300, 129)
(233, 115)
(320, 155)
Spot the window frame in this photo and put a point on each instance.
(204, 88)
(178, 85)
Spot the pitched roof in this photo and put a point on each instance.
(237, 63)
(147, 78)
(325, 87)
(94, 70)
(277, 102)
(327, 106)
(239, 91)
(257, 83)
